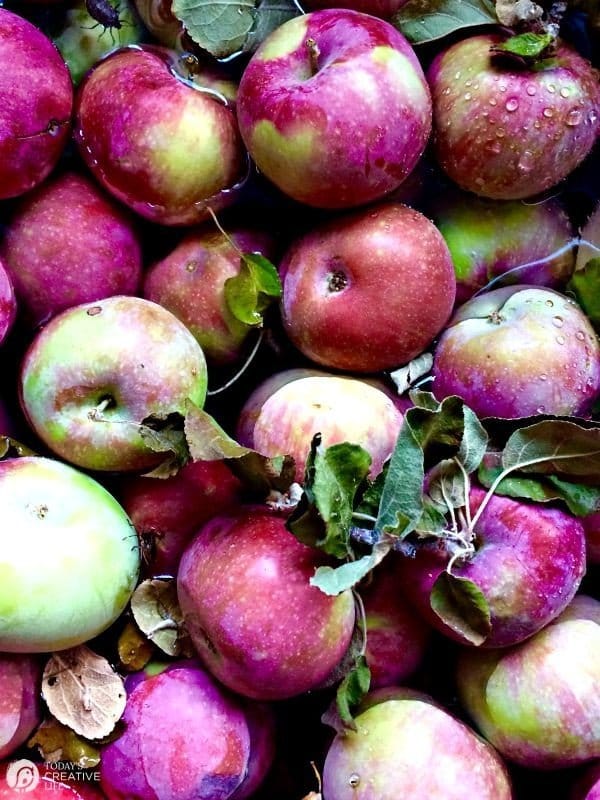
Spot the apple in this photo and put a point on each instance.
(508, 131)
(67, 243)
(36, 103)
(262, 728)
(23, 777)
(334, 108)
(20, 712)
(232, 577)
(538, 703)
(587, 787)
(529, 561)
(519, 350)
(495, 242)
(589, 246)
(340, 408)
(8, 302)
(378, 8)
(165, 146)
(190, 282)
(405, 745)
(158, 17)
(591, 525)
(96, 371)
(167, 512)
(69, 558)
(368, 291)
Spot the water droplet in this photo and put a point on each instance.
(354, 780)
(558, 322)
(593, 116)
(446, 91)
(493, 101)
(560, 340)
(574, 117)
(512, 104)
(501, 133)
(580, 335)
(548, 112)
(502, 87)
(468, 95)
(551, 88)
(549, 303)
(543, 377)
(526, 161)
(564, 92)
(531, 90)
(457, 75)
(540, 409)
(494, 147)
(468, 83)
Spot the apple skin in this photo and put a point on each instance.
(36, 103)
(68, 243)
(341, 409)
(591, 525)
(406, 745)
(8, 302)
(167, 512)
(378, 8)
(190, 282)
(353, 295)
(232, 576)
(588, 785)
(158, 143)
(20, 712)
(538, 703)
(125, 352)
(517, 351)
(529, 562)
(499, 242)
(69, 557)
(49, 785)
(510, 132)
(346, 130)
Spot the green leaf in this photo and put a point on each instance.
(432, 521)
(406, 376)
(585, 285)
(249, 293)
(164, 434)
(529, 46)
(461, 605)
(401, 499)
(335, 580)
(351, 691)
(371, 497)
(474, 441)
(425, 20)
(446, 485)
(228, 27)
(11, 448)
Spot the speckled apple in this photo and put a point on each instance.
(334, 108)
(69, 243)
(539, 702)
(20, 708)
(164, 146)
(529, 561)
(405, 745)
(235, 573)
(506, 131)
(96, 371)
(519, 350)
(190, 282)
(36, 104)
(69, 558)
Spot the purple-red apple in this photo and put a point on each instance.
(528, 561)
(367, 291)
(255, 620)
(96, 371)
(501, 242)
(69, 556)
(506, 130)
(165, 146)
(20, 712)
(261, 725)
(334, 108)
(378, 8)
(36, 103)
(538, 703)
(407, 746)
(340, 408)
(167, 512)
(190, 282)
(519, 350)
(68, 243)
(8, 302)
(589, 246)
(591, 526)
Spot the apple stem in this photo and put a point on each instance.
(313, 55)
(96, 413)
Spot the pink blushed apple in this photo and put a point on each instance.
(334, 108)
(8, 302)
(378, 8)
(20, 710)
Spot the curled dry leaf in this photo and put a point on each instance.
(134, 649)
(83, 691)
(512, 12)
(155, 609)
(57, 742)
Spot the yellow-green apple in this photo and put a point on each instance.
(36, 103)
(340, 408)
(166, 146)
(96, 371)
(528, 562)
(405, 745)
(8, 302)
(367, 291)
(508, 130)
(190, 282)
(334, 108)
(519, 350)
(538, 703)
(20, 708)
(68, 243)
(234, 574)
(69, 558)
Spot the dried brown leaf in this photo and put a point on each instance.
(57, 742)
(134, 648)
(156, 610)
(512, 12)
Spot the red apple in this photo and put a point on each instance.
(590, 240)
(334, 108)
(235, 573)
(20, 712)
(591, 525)
(367, 291)
(24, 778)
(8, 302)
(378, 8)
(66, 244)
(506, 130)
(36, 102)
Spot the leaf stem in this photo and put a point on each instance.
(364, 517)
(362, 622)
(242, 369)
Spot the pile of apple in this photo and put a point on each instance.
(299, 433)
